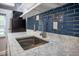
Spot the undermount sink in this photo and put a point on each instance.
(30, 42)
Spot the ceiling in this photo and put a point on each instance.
(8, 6)
(42, 8)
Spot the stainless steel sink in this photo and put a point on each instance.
(30, 42)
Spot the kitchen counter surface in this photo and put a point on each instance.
(58, 45)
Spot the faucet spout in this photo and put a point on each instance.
(43, 34)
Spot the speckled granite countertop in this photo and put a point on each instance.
(57, 45)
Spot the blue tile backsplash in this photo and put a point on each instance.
(67, 25)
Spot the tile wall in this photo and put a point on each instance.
(67, 21)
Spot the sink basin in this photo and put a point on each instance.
(30, 42)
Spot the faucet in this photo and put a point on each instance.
(43, 34)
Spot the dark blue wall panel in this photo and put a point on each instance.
(30, 23)
(36, 25)
(69, 25)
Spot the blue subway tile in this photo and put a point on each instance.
(68, 23)
(54, 11)
(73, 7)
(68, 31)
(76, 3)
(76, 18)
(77, 35)
(75, 30)
(76, 22)
(68, 5)
(67, 26)
(74, 15)
(69, 12)
(59, 9)
(76, 26)
(76, 10)
(64, 9)
(66, 18)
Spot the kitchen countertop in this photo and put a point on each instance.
(58, 45)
